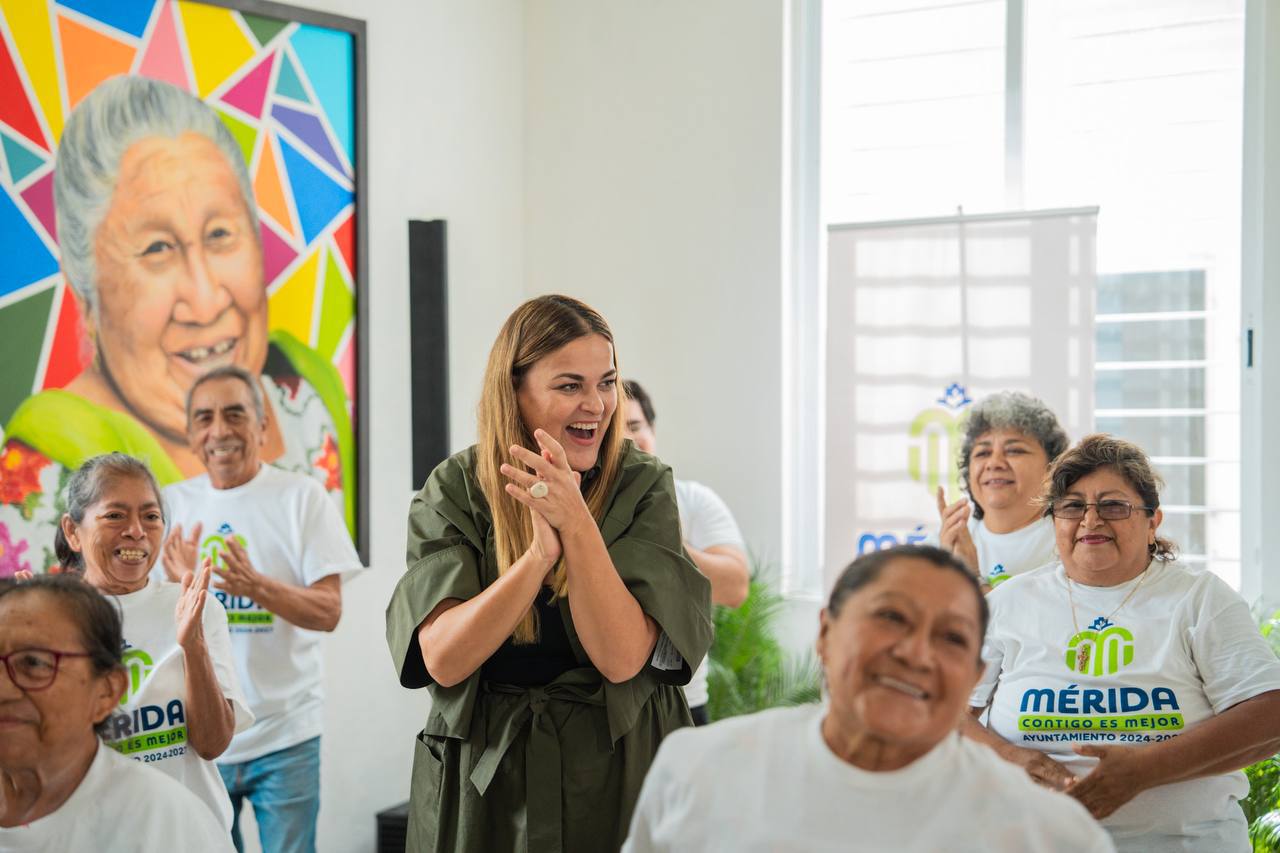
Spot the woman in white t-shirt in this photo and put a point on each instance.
(879, 766)
(1010, 439)
(1137, 686)
(183, 701)
(61, 788)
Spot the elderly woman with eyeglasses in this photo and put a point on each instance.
(1010, 439)
(1134, 684)
(61, 787)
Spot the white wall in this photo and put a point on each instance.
(653, 182)
(445, 135)
(626, 153)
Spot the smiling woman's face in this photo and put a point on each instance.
(119, 536)
(572, 393)
(901, 658)
(179, 277)
(1099, 552)
(1006, 471)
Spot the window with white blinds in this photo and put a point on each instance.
(1133, 106)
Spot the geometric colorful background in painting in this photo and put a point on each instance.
(283, 89)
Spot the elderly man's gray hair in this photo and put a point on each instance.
(1010, 410)
(230, 371)
(115, 115)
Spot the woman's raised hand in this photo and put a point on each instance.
(954, 535)
(189, 614)
(180, 552)
(562, 505)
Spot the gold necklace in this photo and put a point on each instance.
(1082, 652)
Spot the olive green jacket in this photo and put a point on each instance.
(472, 788)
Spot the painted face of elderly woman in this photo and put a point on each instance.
(900, 650)
(175, 286)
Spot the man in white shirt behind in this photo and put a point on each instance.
(710, 535)
(279, 548)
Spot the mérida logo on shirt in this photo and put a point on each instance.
(1103, 648)
(243, 613)
(146, 727)
(215, 543)
(1100, 708)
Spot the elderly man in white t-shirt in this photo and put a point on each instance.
(710, 535)
(279, 549)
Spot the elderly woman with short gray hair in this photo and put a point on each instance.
(160, 242)
(1010, 439)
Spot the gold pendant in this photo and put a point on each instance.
(1082, 659)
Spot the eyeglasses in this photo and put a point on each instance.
(1112, 510)
(35, 669)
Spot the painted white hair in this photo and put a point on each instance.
(102, 127)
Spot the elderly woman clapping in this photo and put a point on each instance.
(879, 766)
(1009, 441)
(184, 701)
(61, 788)
(1135, 684)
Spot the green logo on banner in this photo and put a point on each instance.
(935, 437)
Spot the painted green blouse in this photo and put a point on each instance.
(473, 789)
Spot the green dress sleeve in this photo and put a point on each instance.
(642, 533)
(641, 529)
(444, 561)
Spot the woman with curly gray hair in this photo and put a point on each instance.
(1010, 439)
(1136, 685)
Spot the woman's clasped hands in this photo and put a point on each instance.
(561, 507)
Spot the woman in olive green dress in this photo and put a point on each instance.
(548, 605)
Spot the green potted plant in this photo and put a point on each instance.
(1262, 806)
(748, 669)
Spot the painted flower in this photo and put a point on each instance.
(10, 552)
(291, 384)
(20, 468)
(329, 462)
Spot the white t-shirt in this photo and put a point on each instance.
(1181, 650)
(151, 725)
(122, 806)
(769, 782)
(1003, 555)
(705, 522)
(294, 534)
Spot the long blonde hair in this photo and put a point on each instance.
(533, 331)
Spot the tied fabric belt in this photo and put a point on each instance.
(542, 750)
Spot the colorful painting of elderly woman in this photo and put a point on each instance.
(185, 199)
